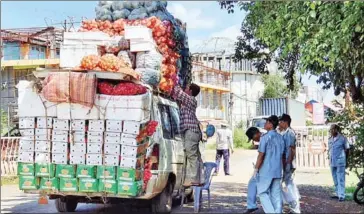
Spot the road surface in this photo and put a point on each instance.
(228, 192)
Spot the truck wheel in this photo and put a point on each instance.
(67, 205)
(163, 202)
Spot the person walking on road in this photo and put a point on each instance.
(224, 144)
(268, 169)
(338, 154)
(254, 134)
(289, 138)
(190, 127)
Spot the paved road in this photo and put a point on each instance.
(228, 192)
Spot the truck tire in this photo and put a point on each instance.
(163, 202)
(65, 205)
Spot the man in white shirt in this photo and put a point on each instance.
(224, 142)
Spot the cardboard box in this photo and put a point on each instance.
(62, 125)
(27, 132)
(44, 122)
(26, 146)
(106, 172)
(26, 157)
(49, 184)
(126, 174)
(78, 148)
(45, 170)
(94, 159)
(130, 188)
(68, 111)
(43, 137)
(28, 182)
(65, 171)
(111, 160)
(88, 185)
(114, 126)
(31, 104)
(134, 163)
(138, 32)
(68, 185)
(59, 148)
(108, 186)
(60, 158)
(112, 149)
(42, 146)
(71, 55)
(77, 158)
(142, 101)
(60, 136)
(132, 127)
(96, 125)
(27, 123)
(26, 169)
(85, 171)
(42, 157)
(125, 114)
(78, 125)
(112, 138)
(141, 46)
(94, 148)
(78, 137)
(133, 151)
(27, 138)
(95, 137)
(129, 141)
(43, 131)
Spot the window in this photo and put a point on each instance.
(175, 121)
(166, 124)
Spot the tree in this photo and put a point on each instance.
(325, 39)
(275, 87)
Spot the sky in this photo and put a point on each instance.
(204, 20)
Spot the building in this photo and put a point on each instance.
(22, 51)
(230, 89)
(314, 93)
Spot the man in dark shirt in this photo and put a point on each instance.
(190, 127)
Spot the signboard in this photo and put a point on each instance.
(316, 147)
(318, 117)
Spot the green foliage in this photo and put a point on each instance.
(321, 38)
(241, 140)
(351, 120)
(275, 87)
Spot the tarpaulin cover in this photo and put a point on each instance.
(71, 87)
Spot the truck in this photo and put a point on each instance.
(106, 151)
(279, 106)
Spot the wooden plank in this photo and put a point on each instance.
(43, 73)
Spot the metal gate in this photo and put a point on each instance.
(9, 156)
(312, 145)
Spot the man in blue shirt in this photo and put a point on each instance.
(254, 134)
(338, 154)
(268, 169)
(289, 138)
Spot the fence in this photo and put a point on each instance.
(9, 156)
(312, 145)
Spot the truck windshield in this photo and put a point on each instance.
(258, 123)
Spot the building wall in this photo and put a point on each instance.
(17, 51)
(247, 88)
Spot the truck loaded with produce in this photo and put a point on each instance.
(104, 128)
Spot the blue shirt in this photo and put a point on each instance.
(337, 147)
(272, 145)
(289, 138)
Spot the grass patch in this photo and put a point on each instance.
(9, 180)
(241, 140)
